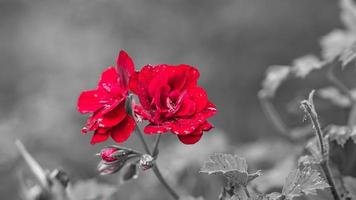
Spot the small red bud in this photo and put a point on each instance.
(107, 154)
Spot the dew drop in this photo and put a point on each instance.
(84, 130)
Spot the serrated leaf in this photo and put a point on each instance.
(350, 185)
(274, 196)
(91, 189)
(341, 134)
(307, 160)
(314, 149)
(233, 167)
(240, 193)
(303, 181)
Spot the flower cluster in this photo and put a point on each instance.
(170, 100)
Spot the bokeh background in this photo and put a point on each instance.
(51, 50)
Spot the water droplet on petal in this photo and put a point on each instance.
(84, 130)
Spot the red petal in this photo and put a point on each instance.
(108, 79)
(178, 81)
(154, 129)
(157, 84)
(133, 83)
(187, 108)
(139, 82)
(209, 110)
(199, 96)
(206, 126)
(113, 117)
(125, 67)
(191, 73)
(191, 138)
(122, 131)
(140, 111)
(196, 135)
(97, 116)
(89, 101)
(124, 61)
(185, 126)
(98, 138)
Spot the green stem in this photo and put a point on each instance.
(309, 108)
(145, 145)
(155, 148)
(247, 193)
(270, 111)
(164, 182)
(325, 167)
(155, 167)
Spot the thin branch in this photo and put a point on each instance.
(35, 167)
(309, 108)
(290, 134)
(140, 135)
(164, 182)
(270, 111)
(155, 148)
(155, 167)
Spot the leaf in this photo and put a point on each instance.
(350, 185)
(275, 75)
(129, 172)
(304, 65)
(314, 149)
(91, 189)
(341, 134)
(274, 196)
(335, 96)
(348, 14)
(303, 181)
(307, 160)
(233, 167)
(348, 55)
(335, 42)
(239, 193)
(106, 168)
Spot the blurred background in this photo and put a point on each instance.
(52, 50)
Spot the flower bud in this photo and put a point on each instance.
(146, 162)
(106, 154)
(111, 154)
(113, 158)
(109, 168)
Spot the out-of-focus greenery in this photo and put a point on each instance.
(52, 50)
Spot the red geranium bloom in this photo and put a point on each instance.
(171, 101)
(107, 103)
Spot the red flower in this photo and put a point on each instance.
(171, 101)
(107, 103)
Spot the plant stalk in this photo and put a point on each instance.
(325, 167)
(155, 148)
(309, 108)
(155, 168)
